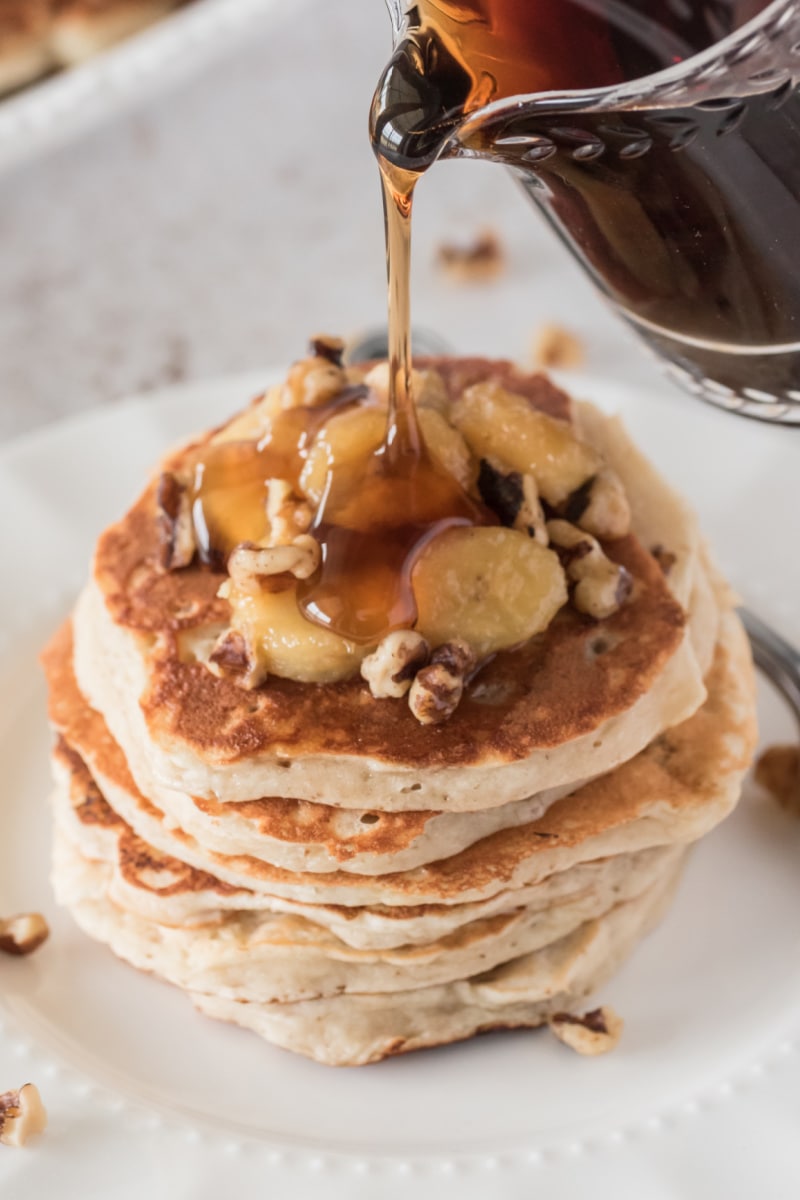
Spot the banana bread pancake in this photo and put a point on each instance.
(570, 703)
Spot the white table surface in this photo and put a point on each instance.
(211, 232)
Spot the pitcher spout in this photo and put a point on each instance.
(660, 141)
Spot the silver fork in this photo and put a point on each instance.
(776, 657)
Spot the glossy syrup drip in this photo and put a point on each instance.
(229, 479)
(376, 516)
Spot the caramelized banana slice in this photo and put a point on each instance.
(251, 424)
(346, 438)
(448, 447)
(491, 586)
(501, 425)
(284, 643)
(354, 434)
(427, 386)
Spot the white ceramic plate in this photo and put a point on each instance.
(71, 101)
(144, 1092)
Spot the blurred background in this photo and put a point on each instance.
(209, 223)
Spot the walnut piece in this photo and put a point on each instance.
(437, 689)
(601, 586)
(288, 515)
(23, 934)
(391, 668)
(231, 659)
(600, 506)
(665, 558)
(457, 655)
(22, 1115)
(299, 558)
(312, 381)
(595, 1032)
(778, 771)
(473, 262)
(514, 497)
(323, 345)
(175, 525)
(554, 346)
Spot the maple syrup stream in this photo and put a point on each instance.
(377, 513)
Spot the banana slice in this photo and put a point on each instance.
(254, 422)
(346, 438)
(355, 434)
(448, 447)
(285, 643)
(491, 586)
(501, 425)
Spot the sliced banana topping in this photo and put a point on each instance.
(477, 589)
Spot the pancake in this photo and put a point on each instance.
(266, 958)
(676, 790)
(354, 1030)
(299, 835)
(565, 706)
(25, 52)
(148, 883)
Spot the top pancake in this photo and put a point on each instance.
(337, 744)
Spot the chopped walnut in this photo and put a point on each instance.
(514, 498)
(391, 668)
(601, 586)
(23, 934)
(435, 694)
(437, 689)
(288, 515)
(595, 1032)
(312, 382)
(22, 1115)
(299, 558)
(600, 506)
(175, 525)
(554, 346)
(231, 658)
(473, 262)
(322, 345)
(457, 655)
(778, 771)
(665, 558)
(603, 591)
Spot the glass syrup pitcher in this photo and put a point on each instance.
(661, 140)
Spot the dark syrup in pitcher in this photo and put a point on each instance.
(687, 217)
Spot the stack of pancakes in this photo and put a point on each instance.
(312, 863)
(38, 36)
